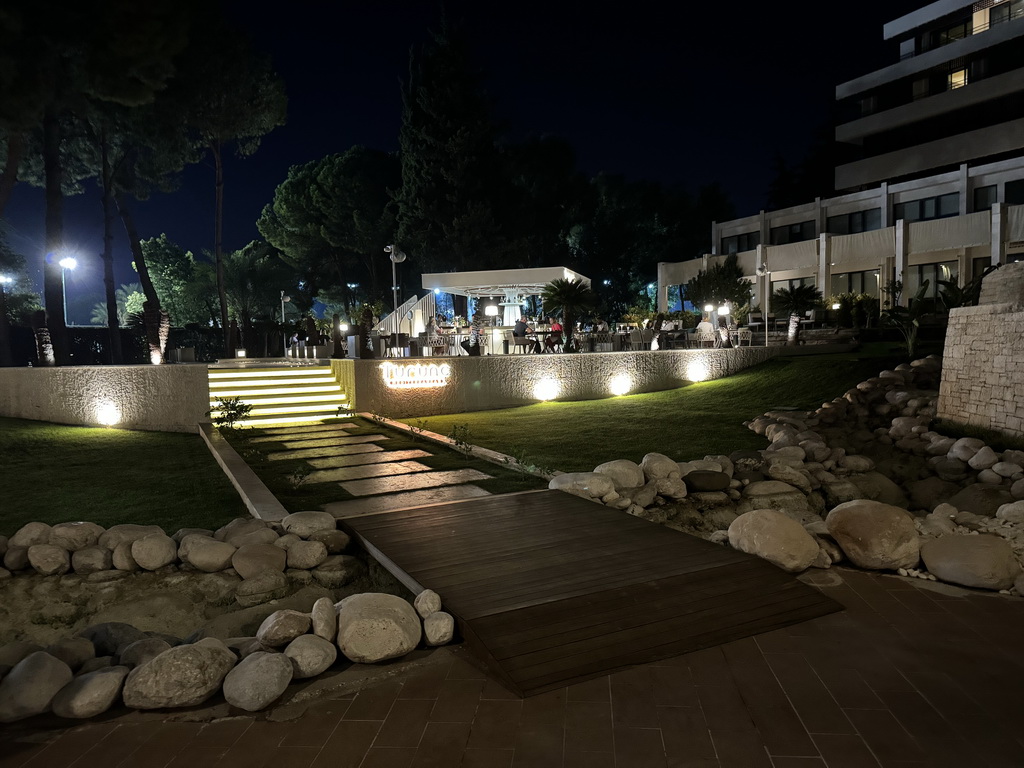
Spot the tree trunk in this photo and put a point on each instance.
(793, 335)
(109, 212)
(9, 177)
(6, 358)
(218, 250)
(53, 278)
(151, 309)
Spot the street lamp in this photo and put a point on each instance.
(397, 257)
(766, 273)
(65, 264)
(284, 332)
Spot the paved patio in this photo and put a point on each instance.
(906, 677)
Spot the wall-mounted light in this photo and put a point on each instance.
(107, 413)
(620, 385)
(240, 352)
(343, 327)
(546, 389)
(835, 306)
(697, 371)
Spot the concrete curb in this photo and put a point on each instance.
(501, 459)
(262, 504)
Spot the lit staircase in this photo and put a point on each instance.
(279, 394)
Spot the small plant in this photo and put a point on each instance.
(459, 435)
(519, 460)
(906, 319)
(344, 411)
(229, 411)
(380, 418)
(418, 428)
(298, 476)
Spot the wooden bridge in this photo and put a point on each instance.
(549, 589)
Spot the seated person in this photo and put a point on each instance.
(555, 337)
(519, 331)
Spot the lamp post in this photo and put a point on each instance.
(766, 273)
(284, 332)
(397, 257)
(65, 264)
(5, 342)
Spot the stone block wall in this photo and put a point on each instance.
(504, 381)
(163, 398)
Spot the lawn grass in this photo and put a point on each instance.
(55, 474)
(686, 423)
(286, 477)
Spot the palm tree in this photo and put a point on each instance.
(570, 299)
(795, 301)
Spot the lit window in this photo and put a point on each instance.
(957, 79)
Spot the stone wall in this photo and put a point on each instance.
(983, 363)
(504, 381)
(165, 398)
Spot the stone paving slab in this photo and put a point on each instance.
(377, 485)
(367, 458)
(389, 469)
(334, 434)
(373, 504)
(320, 443)
(300, 429)
(314, 453)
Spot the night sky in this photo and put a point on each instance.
(687, 97)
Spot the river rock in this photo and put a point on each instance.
(261, 536)
(324, 619)
(110, 637)
(92, 560)
(281, 627)
(787, 474)
(965, 448)
(258, 681)
(48, 560)
(622, 472)
(252, 559)
(981, 499)
(929, 492)
(701, 480)
(877, 487)
(671, 488)
(657, 465)
(154, 551)
(13, 652)
(950, 469)
(208, 554)
(875, 535)
(30, 534)
(100, 662)
(1012, 512)
(306, 554)
(1006, 468)
(126, 532)
(983, 459)
(374, 626)
(239, 527)
(287, 540)
(428, 602)
(121, 557)
(588, 485)
(75, 536)
(335, 541)
(141, 651)
(90, 694)
(16, 558)
(73, 651)
(184, 676)
(31, 685)
(775, 537)
(305, 523)
(310, 655)
(856, 463)
(982, 561)
(438, 628)
(338, 570)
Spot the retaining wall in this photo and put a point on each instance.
(163, 398)
(504, 381)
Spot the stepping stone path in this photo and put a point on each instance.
(364, 467)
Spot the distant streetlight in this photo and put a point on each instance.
(397, 257)
(766, 273)
(65, 264)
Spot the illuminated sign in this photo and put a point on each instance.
(415, 375)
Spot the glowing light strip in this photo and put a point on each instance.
(287, 420)
(277, 391)
(257, 409)
(297, 400)
(415, 375)
(288, 372)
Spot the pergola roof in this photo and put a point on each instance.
(499, 282)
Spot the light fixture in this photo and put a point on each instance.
(620, 385)
(437, 291)
(343, 327)
(835, 306)
(724, 309)
(709, 307)
(107, 413)
(68, 262)
(697, 371)
(546, 389)
(240, 352)
(5, 279)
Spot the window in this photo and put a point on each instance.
(954, 33)
(791, 284)
(922, 88)
(792, 233)
(984, 197)
(748, 241)
(855, 282)
(914, 277)
(978, 265)
(1015, 192)
(956, 79)
(928, 208)
(858, 221)
(1004, 12)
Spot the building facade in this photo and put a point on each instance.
(935, 187)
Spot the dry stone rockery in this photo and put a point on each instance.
(862, 479)
(251, 562)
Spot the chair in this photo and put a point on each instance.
(603, 341)
(515, 342)
(706, 336)
(635, 341)
(745, 335)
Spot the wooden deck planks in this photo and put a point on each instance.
(550, 589)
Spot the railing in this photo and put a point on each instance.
(975, 29)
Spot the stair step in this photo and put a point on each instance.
(241, 389)
(335, 397)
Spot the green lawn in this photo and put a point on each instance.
(55, 474)
(685, 423)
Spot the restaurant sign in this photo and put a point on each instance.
(415, 375)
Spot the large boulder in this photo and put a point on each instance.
(773, 494)
(875, 535)
(310, 655)
(374, 626)
(657, 465)
(75, 536)
(281, 627)
(141, 651)
(154, 551)
(90, 694)
(338, 570)
(335, 541)
(253, 559)
(305, 523)
(184, 676)
(774, 536)
(91, 560)
(981, 499)
(126, 533)
(878, 487)
(701, 480)
(73, 651)
(261, 536)
(16, 558)
(240, 526)
(207, 554)
(31, 685)
(588, 485)
(965, 448)
(121, 557)
(622, 472)
(110, 637)
(787, 474)
(48, 560)
(258, 681)
(983, 561)
(929, 492)
(30, 534)
(306, 554)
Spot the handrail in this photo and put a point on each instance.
(974, 31)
